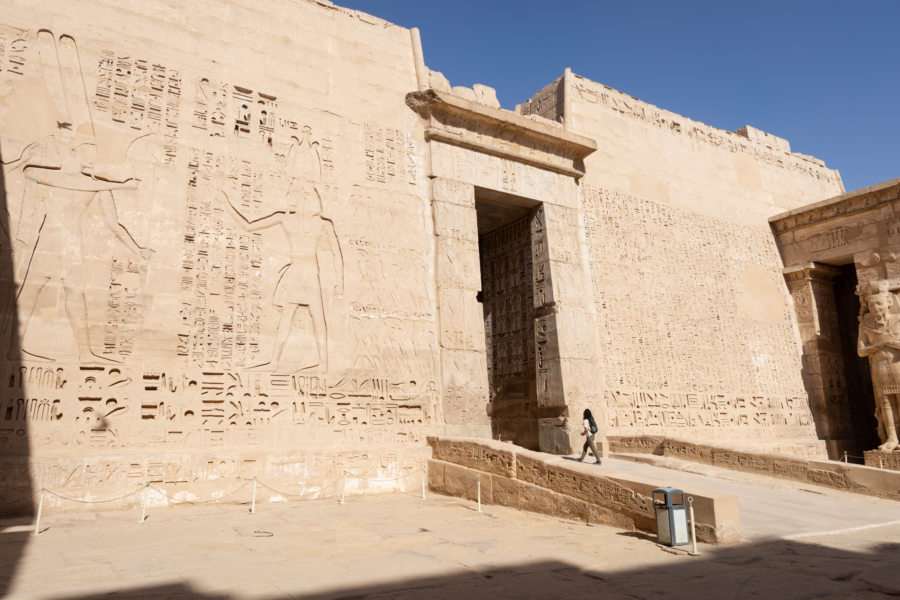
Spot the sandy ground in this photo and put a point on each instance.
(399, 546)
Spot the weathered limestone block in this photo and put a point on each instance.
(464, 92)
(453, 192)
(483, 455)
(555, 435)
(464, 384)
(437, 81)
(458, 263)
(882, 460)
(454, 220)
(486, 95)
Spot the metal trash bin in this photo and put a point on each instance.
(671, 516)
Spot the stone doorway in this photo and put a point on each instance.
(860, 427)
(505, 251)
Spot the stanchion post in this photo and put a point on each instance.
(343, 488)
(37, 521)
(253, 501)
(693, 527)
(144, 502)
(479, 493)
(845, 456)
(423, 484)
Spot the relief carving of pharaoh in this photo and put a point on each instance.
(879, 339)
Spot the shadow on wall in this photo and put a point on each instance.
(770, 569)
(16, 493)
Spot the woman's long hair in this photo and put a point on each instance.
(591, 421)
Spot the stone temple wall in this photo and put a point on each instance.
(241, 239)
(222, 252)
(697, 334)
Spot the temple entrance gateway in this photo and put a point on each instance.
(507, 297)
(842, 264)
(494, 201)
(861, 426)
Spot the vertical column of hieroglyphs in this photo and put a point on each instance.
(564, 330)
(812, 289)
(508, 291)
(462, 338)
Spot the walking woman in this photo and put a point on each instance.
(590, 428)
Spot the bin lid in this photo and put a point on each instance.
(667, 494)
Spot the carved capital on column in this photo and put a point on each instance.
(810, 272)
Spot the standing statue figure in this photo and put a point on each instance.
(879, 339)
(308, 233)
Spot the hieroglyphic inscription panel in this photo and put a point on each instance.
(694, 330)
(211, 266)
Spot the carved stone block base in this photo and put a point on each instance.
(882, 460)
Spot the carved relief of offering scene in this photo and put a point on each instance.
(185, 265)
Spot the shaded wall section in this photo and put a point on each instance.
(508, 303)
(16, 408)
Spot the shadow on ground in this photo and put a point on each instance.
(775, 569)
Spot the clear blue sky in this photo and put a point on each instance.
(824, 74)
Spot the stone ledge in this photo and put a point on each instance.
(519, 478)
(882, 460)
(848, 477)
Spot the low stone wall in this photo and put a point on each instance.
(882, 460)
(527, 480)
(843, 476)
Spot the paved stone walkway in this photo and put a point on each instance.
(399, 546)
(769, 507)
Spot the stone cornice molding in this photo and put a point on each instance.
(460, 122)
(810, 272)
(868, 198)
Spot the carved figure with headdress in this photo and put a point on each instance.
(879, 340)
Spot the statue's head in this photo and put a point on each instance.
(880, 303)
(879, 300)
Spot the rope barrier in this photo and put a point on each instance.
(210, 501)
(401, 478)
(52, 493)
(146, 489)
(301, 494)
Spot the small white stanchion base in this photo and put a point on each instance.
(693, 551)
(37, 521)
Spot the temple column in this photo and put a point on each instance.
(812, 289)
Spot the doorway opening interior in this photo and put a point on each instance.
(857, 426)
(507, 298)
